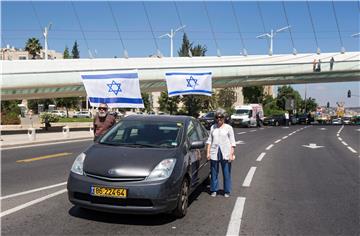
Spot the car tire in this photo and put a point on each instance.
(183, 200)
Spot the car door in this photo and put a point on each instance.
(204, 169)
(194, 154)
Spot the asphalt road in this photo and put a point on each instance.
(294, 190)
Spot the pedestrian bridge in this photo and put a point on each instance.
(30, 79)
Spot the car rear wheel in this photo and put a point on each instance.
(183, 200)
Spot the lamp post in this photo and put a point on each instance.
(45, 33)
(271, 36)
(171, 36)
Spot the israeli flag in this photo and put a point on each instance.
(116, 88)
(182, 83)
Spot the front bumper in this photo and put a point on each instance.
(143, 197)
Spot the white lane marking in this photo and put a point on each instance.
(358, 130)
(322, 129)
(344, 143)
(253, 130)
(351, 149)
(338, 135)
(32, 190)
(263, 128)
(340, 138)
(242, 133)
(285, 137)
(285, 127)
(236, 217)
(239, 142)
(261, 156)
(312, 146)
(46, 144)
(277, 140)
(20, 207)
(249, 177)
(269, 147)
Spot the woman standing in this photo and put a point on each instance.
(220, 150)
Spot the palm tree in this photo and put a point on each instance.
(33, 46)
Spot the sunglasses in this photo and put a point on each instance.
(219, 117)
(103, 108)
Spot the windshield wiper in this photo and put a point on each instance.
(140, 145)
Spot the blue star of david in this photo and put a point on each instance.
(192, 82)
(114, 87)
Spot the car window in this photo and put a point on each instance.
(144, 134)
(192, 133)
(201, 131)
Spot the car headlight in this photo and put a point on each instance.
(163, 170)
(78, 164)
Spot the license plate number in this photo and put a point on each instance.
(109, 192)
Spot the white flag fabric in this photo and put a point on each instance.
(182, 83)
(115, 88)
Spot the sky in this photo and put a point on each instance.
(93, 26)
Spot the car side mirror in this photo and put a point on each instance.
(197, 145)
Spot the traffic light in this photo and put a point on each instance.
(349, 93)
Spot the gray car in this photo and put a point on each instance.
(143, 165)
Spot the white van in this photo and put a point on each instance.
(245, 115)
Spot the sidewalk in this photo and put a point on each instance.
(23, 139)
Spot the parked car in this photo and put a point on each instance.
(274, 120)
(245, 115)
(59, 113)
(305, 119)
(144, 164)
(208, 119)
(82, 114)
(346, 120)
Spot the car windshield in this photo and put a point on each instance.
(210, 115)
(242, 112)
(150, 134)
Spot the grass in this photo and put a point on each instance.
(75, 120)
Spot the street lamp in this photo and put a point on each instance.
(45, 33)
(171, 36)
(271, 36)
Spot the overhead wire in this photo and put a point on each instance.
(81, 29)
(212, 30)
(338, 28)
(181, 24)
(262, 21)
(126, 55)
(244, 51)
(152, 31)
(313, 28)
(287, 22)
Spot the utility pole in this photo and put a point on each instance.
(171, 36)
(271, 35)
(45, 33)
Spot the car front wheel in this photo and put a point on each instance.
(183, 200)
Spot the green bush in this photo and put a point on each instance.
(75, 119)
(51, 117)
(10, 118)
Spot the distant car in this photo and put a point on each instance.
(143, 165)
(347, 120)
(59, 113)
(336, 121)
(275, 120)
(82, 114)
(304, 119)
(208, 119)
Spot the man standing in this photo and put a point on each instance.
(103, 121)
(287, 117)
(332, 63)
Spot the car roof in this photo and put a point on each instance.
(172, 118)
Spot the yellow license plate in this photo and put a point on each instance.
(109, 192)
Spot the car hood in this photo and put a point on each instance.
(120, 161)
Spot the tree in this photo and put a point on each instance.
(287, 92)
(311, 104)
(226, 98)
(66, 54)
(253, 94)
(146, 99)
(185, 47)
(168, 104)
(270, 106)
(75, 51)
(192, 104)
(69, 102)
(199, 50)
(33, 46)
